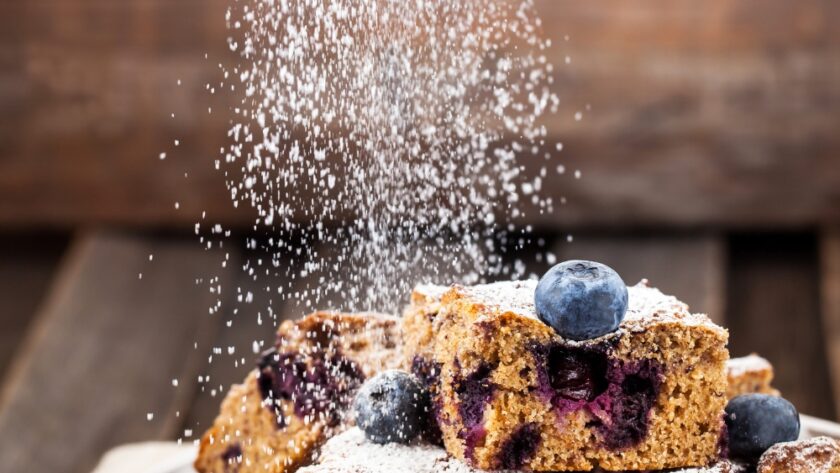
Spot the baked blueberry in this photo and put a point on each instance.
(581, 300)
(392, 407)
(756, 422)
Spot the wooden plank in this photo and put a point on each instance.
(689, 267)
(830, 298)
(695, 113)
(104, 349)
(90, 95)
(774, 309)
(27, 266)
(250, 314)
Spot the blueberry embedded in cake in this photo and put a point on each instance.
(299, 393)
(514, 393)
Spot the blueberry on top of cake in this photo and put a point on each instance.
(511, 392)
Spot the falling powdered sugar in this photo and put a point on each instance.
(379, 143)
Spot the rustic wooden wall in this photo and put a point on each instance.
(700, 113)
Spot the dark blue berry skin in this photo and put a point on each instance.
(756, 422)
(581, 300)
(392, 407)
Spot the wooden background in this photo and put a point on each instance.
(709, 147)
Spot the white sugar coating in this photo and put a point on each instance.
(747, 364)
(815, 455)
(350, 452)
(379, 143)
(720, 467)
(646, 306)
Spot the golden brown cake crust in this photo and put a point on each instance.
(749, 374)
(263, 428)
(816, 455)
(488, 344)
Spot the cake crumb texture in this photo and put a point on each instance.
(512, 394)
(297, 396)
(816, 455)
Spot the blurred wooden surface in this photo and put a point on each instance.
(700, 113)
(103, 351)
(27, 266)
(830, 309)
(774, 309)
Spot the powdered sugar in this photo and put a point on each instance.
(747, 364)
(816, 455)
(646, 305)
(350, 452)
(389, 132)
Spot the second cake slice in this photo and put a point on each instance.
(510, 393)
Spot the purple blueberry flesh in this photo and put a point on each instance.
(392, 407)
(626, 404)
(756, 422)
(474, 392)
(581, 300)
(232, 454)
(428, 373)
(519, 448)
(322, 387)
(619, 395)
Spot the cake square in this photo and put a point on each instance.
(512, 394)
(749, 374)
(297, 396)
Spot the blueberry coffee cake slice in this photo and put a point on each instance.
(297, 395)
(749, 374)
(641, 387)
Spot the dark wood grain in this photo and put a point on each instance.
(91, 98)
(715, 113)
(104, 349)
(693, 268)
(774, 309)
(720, 112)
(27, 266)
(830, 298)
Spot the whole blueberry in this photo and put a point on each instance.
(392, 407)
(581, 300)
(756, 422)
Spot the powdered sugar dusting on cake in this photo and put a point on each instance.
(646, 305)
(350, 452)
(720, 467)
(816, 455)
(747, 364)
